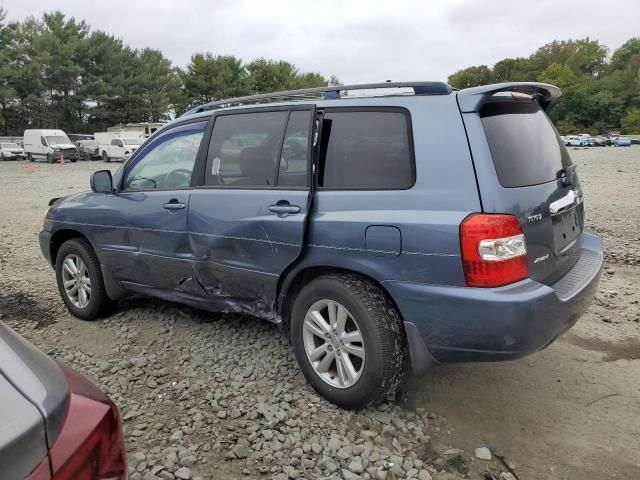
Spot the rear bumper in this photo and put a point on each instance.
(459, 324)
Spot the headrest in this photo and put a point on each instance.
(256, 162)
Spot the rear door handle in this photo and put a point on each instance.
(284, 208)
(174, 204)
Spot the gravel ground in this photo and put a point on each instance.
(220, 396)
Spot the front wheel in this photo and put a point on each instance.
(49, 158)
(348, 339)
(105, 157)
(80, 280)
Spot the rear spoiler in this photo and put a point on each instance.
(472, 99)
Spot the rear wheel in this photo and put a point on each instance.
(348, 339)
(2, 157)
(30, 157)
(105, 157)
(80, 280)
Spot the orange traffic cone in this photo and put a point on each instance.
(31, 168)
(62, 160)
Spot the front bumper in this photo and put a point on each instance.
(73, 156)
(460, 324)
(15, 156)
(45, 245)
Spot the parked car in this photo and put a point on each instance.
(622, 142)
(54, 423)
(49, 145)
(375, 247)
(572, 140)
(601, 141)
(118, 145)
(12, 151)
(88, 150)
(586, 140)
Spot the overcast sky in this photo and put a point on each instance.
(358, 40)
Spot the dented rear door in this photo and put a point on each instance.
(247, 222)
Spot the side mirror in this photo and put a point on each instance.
(101, 181)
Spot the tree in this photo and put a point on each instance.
(208, 78)
(159, 83)
(558, 74)
(511, 70)
(271, 76)
(471, 77)
(631, 122)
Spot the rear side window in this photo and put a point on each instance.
(525, 147)
(366, 150)
(245, 148)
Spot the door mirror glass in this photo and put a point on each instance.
(101, 181)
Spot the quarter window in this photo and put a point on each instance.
(366, 150)
(244, 148)
(168, 162)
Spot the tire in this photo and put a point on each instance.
(2, 157)
(105, 157)
(380, 370)
(99, 304)
(49, 159)
(30, 157)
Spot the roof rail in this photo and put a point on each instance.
(330, 92)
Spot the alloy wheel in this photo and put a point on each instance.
(334, 344)
(76, 281)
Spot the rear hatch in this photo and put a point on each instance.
(524, 169)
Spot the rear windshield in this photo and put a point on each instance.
(525, 147)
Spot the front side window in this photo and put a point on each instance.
(366, 150)
(132, 141)
(244, 148)
(167, 163)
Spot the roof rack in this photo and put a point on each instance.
(330, 92)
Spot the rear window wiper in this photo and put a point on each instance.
(566, 174)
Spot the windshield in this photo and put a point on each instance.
(10, 145)
(58, 139)
(525, 147)
(132, 141)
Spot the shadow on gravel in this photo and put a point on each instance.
(22, 308)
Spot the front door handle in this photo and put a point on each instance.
(284, 208)
(174, 204)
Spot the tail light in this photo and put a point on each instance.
(90, 445)
(494, 251)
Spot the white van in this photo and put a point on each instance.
(49, 145)
(118, 145)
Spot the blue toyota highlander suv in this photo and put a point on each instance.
(406, 226)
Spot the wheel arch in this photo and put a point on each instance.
(61, 236)
(302, 274)
(420, 358)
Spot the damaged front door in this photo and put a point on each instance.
(154, 249)
(246, 224)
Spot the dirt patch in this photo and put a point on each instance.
(22, 307)
(627, 349)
